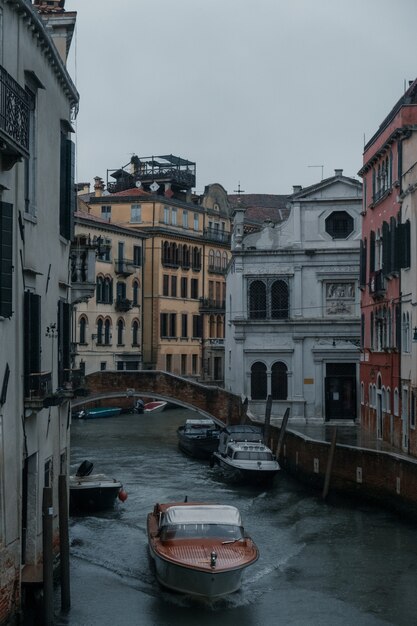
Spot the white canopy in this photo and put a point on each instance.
(199, 422)
(202, 514)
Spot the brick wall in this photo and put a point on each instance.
(9, 584)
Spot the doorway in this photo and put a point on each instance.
(340, 391)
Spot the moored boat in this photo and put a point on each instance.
(243, 454)
(154, 407)
(93, 492)
(198, 437)
(98, 412)
(199, 549)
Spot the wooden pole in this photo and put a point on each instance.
(48, 562)
(64, 543)
(282, 432)
(267, 419)
(329, 464)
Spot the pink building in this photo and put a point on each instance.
(385, 252)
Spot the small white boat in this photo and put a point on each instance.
(199, 549)
(243, 454)
(93, 492)
(154, 407)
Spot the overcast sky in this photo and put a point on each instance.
(253, 91)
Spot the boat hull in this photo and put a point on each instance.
(100, 412)
(94, 497)
(197, 583)
(261, 475)
(201, 448)
(154, 407)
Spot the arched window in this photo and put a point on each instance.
(211, 259)
(257, 300)
(186, 257)
(212, 329)
(83, 327)
(388, 399)
(135, 333)
(99, 289)
(135, 296)
(120, 329)
(219, 326)
(279, 381)
(120, 290)
(279, 300)
(99, 331)
(224, 260)
(218, 261)
(108, 290)
(362, 394)
(396, 402)
(107, 335)
(258, 381)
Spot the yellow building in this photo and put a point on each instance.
(185, 258)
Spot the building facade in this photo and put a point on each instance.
(186, 252)
(388, 277)
(107, 329)
(292, 327)
(38, 104)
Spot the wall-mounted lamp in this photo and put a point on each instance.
(334, 343)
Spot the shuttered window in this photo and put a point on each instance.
(64, 342)
(6, 251)
(67, 189)
(32, 337)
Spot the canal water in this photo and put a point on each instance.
(320, 563)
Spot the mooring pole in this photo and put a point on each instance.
(64, 543)
(267, 419)
(48, 563)
(329, 464)
(282, 432)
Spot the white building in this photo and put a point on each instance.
(293, 322)
(37, 106)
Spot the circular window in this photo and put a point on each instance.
(339, 225)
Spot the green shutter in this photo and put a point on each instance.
(6, 254)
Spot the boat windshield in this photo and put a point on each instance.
(225, 532)
(253, 456)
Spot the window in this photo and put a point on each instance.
(136, 213)
(183, 364)
(396, 402)
(165, 285)
(174, 286)
(168, 324)
(339, 224)
(104, 250)
(194, 288)
(121, 290)
(135, 289)
(196, 221)
(120, 329)
(83, 328)
(196, 326)
(6, 256)
(106, 212)
(103, 365)
(31, 339)
(258, 381)
(174, 217)
(30, 162)
(362, 393)
(164, 324)
(64, 341)
(279, 381)
(257, 300)
(99, 331)
(194, 361)
(137, 256)
(107, 334)
(184, 287)
(67, 190)
(185, 219)
(166, 215)
(135, 333)
(168, 358)
(279, 300)
(196, 259)
(184, 325)
(212, 326)
(413, 410)
(172, 324)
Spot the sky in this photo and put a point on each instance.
(261, 94)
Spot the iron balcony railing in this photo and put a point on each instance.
(124, 266)
(14, 114)
(212, 234)
(208, 304)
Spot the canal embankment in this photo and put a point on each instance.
(360, 467)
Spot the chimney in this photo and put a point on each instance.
(98, 186)
(59, 24)
(338, 172)
(296, 188)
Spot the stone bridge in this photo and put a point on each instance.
(121, 388)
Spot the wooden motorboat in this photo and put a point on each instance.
(93, 492)
(199, 549)
(154, 407)
(198, 437)
(97, 412)
(243, 454)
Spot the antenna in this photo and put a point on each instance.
(322, 166)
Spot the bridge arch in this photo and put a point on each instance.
(125, 386)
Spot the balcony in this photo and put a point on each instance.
(124, 267)
(122, 305)
(208, 305)
(14, 120)
(216, 269)
(213, 234)
(377, 287)
(39, 392)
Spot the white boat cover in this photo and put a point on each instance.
(199, 422)
(202, 514)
